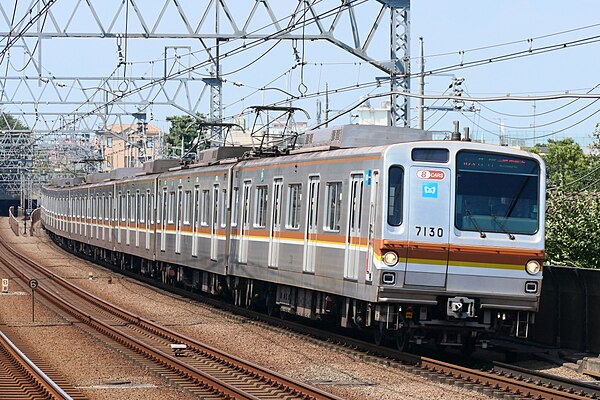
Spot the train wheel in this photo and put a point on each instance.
(468, 346)
(270, 304)
(379, 334)
(402, 340)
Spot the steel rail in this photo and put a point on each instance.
(497, 382)
(35, 374)
(589, 389)
(284, 383)
(418, 364)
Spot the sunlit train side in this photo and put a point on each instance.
(419, 240)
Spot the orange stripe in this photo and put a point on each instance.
(454, 253)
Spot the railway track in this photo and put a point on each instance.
(202, 370)
(20, 378)
(492, 383)
(586, 389)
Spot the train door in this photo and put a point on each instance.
(149, 217)
(137, 215)
(93, 219)
(275, 233)
(111, 215)
(245, 223)
(128, 217)
(214, 226)
(371, 234)
(195, 221)
(429, 225)
(103, 216)
(163, 220)
(353, 233)
(120, 217)
(178, 224)
(312, 216)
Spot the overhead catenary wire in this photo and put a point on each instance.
(536, 114)
(528, 41)
(238, 50)
(159, 82)
(511, 56)
(12, 40)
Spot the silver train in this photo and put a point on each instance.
(414, 240)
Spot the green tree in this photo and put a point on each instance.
(572, 204)
(8, 122)
(185, 129)
(573, 229)
(566, 162)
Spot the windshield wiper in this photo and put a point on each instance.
(474, 223)
(501, 226)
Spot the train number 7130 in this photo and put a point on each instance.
(429, 231)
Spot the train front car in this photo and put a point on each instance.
(462, 242)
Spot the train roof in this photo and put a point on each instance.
(340, 141)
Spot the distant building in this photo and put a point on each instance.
(127, 145)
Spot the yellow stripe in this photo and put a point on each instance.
(426, 261)
(486, 265)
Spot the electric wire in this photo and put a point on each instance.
(228, 54)
(32, 53)
(8, 38)
(537, 114)
(528, 41)
(32, 20)
(548, 123)
(511, 56)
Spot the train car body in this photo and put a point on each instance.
(439, 240)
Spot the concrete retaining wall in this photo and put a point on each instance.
(569, 315)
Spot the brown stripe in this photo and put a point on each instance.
(480, 254)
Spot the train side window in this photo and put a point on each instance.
(187, 207)
(142, 207)
(121, 215)
(395, 193)
(223, 207)
(333, 206)
(205, 207)
(196, 213)
(431, 155)
(138, 209)
(235, 200)
(150, 207)
(260, 213)
(294, 202)
(171, 208)
(162, 198)
(131, 207)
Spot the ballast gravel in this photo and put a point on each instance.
(100, 371)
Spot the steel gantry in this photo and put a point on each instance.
(195, 38)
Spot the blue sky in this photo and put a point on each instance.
(447, 28)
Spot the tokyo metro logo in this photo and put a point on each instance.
(430, 189)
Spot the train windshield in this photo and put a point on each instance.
(497, 193)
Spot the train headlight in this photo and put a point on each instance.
(533, 267)
(390, 258)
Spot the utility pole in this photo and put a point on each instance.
(326, 104)
(534, 123)
(421, 107)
